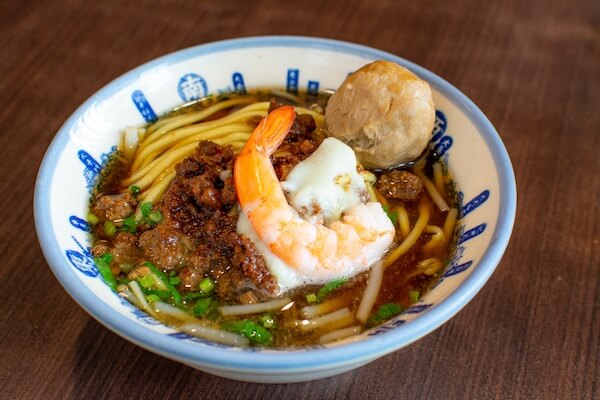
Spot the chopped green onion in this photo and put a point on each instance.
(174, 293)
(207, 285)
(155, 217)
(105, 272)
(135, 190)
(92, 218)
(392, 215)
(151, 217)
(193, 296)
(174, 280)
(146, 209)
(203, 306)
(123, 280)
(107, 258)
(130, 224)
(152, 298)
(126, 267)
(323, 292)
(164, 295)
(267, 321)
(250, 329)
(386, 311)
(311, 298)
(414, 295)
(110, 228)
(146, 281)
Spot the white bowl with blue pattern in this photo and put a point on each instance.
(470, 146)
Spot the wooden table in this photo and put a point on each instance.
(533, 67)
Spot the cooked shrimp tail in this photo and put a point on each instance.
(252, 167)
(272, 130)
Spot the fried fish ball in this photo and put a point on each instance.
(384, 112)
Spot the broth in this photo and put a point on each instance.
(172, 238)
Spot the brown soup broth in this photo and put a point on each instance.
(400, 278)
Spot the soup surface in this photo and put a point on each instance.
(167, 236)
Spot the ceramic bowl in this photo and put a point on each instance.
(468, 143)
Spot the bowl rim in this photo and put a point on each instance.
(278, 361)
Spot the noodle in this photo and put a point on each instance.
(435, 195)
(153, 150)
(450, 223)
(144, 177)
(370, 293)
(226, 132)
(338, 319)
(412, 237)
(403, 221)
(380, 198)
(126, 293)
(168, 124)
(214, 335)
(169, 159)
(136, 291)
(438, 178)
(241, 309)
(154, 143)
(147, 151)
(437, 239)
(429, 266)
(158, 188)
(326, 307)
(319, 118)
(129, 142)
(340, 334)
(173, 312)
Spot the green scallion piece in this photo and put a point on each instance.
(135, 190)
(174, 293)
(414, 295)
(193, 296)
(110, 228)
(164, 295)
(174, 280)
(152, 298)
(146, 209)
(250, 329)
(130, 224)
(207, 286)
(385, 312)
(311, 298)
(155, 217)
(123, 281)
(329, 287)
(107, 258)
(146, 282)
(268, 321)
(105, 272)
(203, 306)
(92, 218)
(392, 215)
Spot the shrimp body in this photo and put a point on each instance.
(315, 251)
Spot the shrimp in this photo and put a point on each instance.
(344, 248)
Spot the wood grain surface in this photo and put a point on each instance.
(533, 67)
